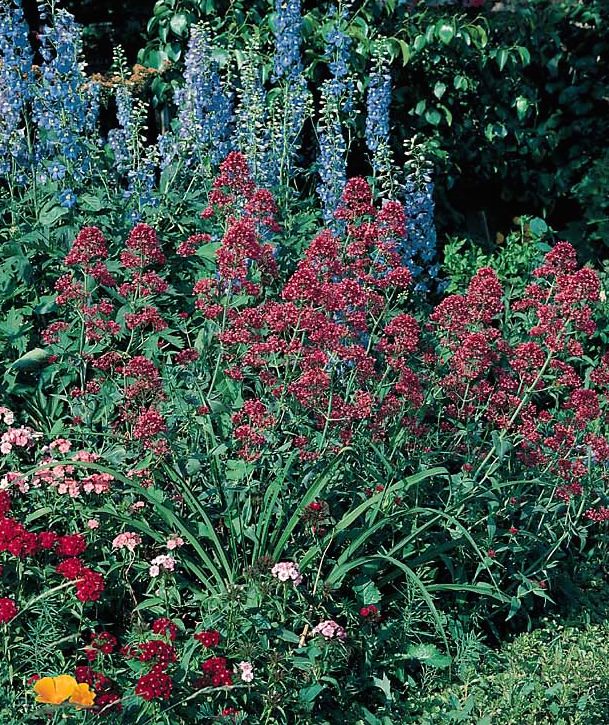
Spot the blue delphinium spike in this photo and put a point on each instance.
(119, 138)
(291, 105)
(205, 112)
(377, 106)
(338, 54)
(288, 27)
(16, 82)
(378, 102)
(419, 248)
(64, 102)
(332, 163)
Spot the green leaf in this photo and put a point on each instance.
(430, 655)
(501, 446)
(502, 57)
(460, 83)
(538, 227)
(419, 42)
(439, 90)
(515, 605)
(179, 25)
(384, 684)
(524, 54)
(367, 593)
(445, 31)
(12, 323)
(522, 104)
(208, 251)
(308, 694)
(405, 51)
(32, 360)
(90, 202)
(51, 213)
(433, 116)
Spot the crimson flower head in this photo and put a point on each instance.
(89, 586)
(89, 244)
(208, 638)
(165, 626)
(356, 200)
(103, 642)
(370, 611)
(156, 685)
(8, 609)
(71, 545)
(143, 248)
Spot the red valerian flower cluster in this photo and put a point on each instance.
(319, 346)
(245, 261)
(85, 294)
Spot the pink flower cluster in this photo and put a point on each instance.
(287, 571)
(329, 629)
(162, 563)
(22, 437)
(127, 540)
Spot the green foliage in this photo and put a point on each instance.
(512, 257)
(555, 675)
(512, 98)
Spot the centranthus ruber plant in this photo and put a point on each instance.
(294, 433)
(326, 366)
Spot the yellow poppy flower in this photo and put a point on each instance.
(82, 696)
(55, 690)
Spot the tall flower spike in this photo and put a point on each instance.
(378, 102)
(288, 21)
(419, 248)
(338, 54)
(120, 139)
(205, 108)
(291, 107)
(63, 99)
(332, 154)
(16, 83)
(252, 133)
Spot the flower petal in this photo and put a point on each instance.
(64, 687)
(82, 695)
(45, 690)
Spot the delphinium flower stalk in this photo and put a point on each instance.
(252, 132)
(419, 248)
(338, 56)
(332, 160)
(135, 161)
(124, 140)
(205, 114)
(16, 82)
(336, 115)
(378, 102)
(291, 106)
(64, 101)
